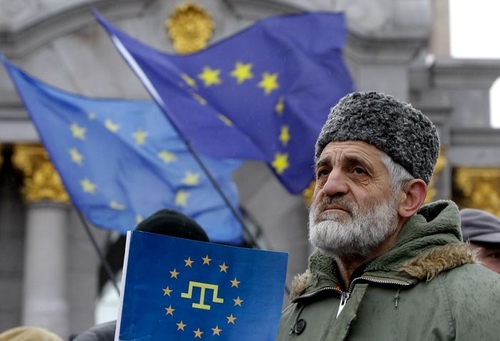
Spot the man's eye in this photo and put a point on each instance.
(359, 170)
(322, 172)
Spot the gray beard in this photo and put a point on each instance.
(344, 236)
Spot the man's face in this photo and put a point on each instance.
(353, 212)
(488, 254)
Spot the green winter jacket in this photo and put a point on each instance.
(426, 287)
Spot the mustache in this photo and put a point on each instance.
(325, 202)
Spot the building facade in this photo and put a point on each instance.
(49, 267)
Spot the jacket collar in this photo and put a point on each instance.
(429, 243)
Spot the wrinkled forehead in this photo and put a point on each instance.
(351, 152)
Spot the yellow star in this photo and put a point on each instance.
(223, 267)
(242, 72)
(200, 99)
(230, 319)
(191, 179)
(78, 132)
(116, 206)
(234, 282)
(140, 136)
(197, 333)
(280, 106)
(112, 127)
(90, 115)
(280, 163)
(210, 76)
(237, 301)
(167, 291)
(88, 187)
(285, 135)
(167, 156)
(206, 260)
(181, 326)
(189, 81)
(174, 273)
(170, 310)
(76, 157)
(225, 119)
(138, 218)
(181, 198)
(216, 330)
(189, 262)
(269, 82)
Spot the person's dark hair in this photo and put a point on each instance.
(173, 223)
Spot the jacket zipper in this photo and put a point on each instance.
(345, 295)
(317, 291)
(378, 281)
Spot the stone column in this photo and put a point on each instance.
(439, 43)
(45, 302)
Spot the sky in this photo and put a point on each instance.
(474, 28)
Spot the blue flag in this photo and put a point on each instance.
(261, 94)
(179, 289)
(120, 161)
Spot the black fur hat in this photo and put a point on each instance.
(174, 224)
(394, 127)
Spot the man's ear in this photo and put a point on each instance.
(413, 196)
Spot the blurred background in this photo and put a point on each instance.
(440, 55)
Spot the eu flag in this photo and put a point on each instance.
(179, 289)
(263, 93)
(121, 160)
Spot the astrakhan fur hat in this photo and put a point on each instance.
(394, 127)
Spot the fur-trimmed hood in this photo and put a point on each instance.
(429, 243)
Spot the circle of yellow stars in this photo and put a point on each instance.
(139, 136)
(182, 325)
(243, 72)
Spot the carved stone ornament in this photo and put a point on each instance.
(190, 27)
(477, 188)
(41, 181)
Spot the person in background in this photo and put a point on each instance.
(481, 230)
(29, 333)
(387, 267)
(166, 222)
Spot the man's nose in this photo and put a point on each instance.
(336, 184)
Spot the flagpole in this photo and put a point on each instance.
(212, 180)
(104, 262)
(145, 80)
(223, 195)
(199, 161)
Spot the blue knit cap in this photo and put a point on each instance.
(392, 126)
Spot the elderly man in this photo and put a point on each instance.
(386, 267)
(482, 231)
